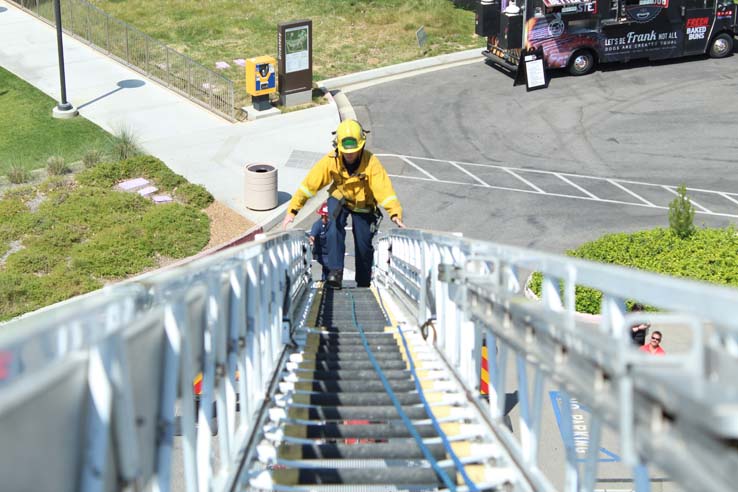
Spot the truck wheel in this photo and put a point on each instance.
(581, 63)
(721, 46)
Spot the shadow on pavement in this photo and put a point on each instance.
(123, 84)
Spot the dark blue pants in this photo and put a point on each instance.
(336, 241)
(323, 260)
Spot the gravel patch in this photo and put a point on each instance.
(225, 224)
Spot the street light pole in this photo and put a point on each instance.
(64, 109)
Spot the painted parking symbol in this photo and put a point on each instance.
(575, 434)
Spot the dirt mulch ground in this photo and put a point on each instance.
(225, 224)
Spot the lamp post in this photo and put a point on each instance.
(64, 109)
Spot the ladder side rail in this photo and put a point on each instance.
(193, 304)
(599, 370)
(588, 371)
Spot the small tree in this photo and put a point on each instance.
(681, 214)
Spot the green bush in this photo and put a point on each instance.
(23, 292)
(709, 255)
(16, 219)
(33, 260)
(18, 174)
(681, 214)
(56, 183)
(65, 282)
(108, 174)
(19, 293)
(93, 209)
(194, 195)
(115, 252)
(23, 193)
(176, 230)
(55, 166)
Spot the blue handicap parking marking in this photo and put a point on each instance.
(576, 435)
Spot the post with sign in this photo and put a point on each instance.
(295, 48)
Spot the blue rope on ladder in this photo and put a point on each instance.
(444, 439)
(405, 419)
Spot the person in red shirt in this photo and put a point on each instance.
(653, 347)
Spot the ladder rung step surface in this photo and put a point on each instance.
(347, 374)
(356, 413)
(396, 449)
(419, 477)
(354, 365)
(359, 431)
(352, 356)
(350, 337)
(354, 348)
(362, 399)
(349, 463)
(355, 386)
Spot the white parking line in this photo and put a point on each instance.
(518, 173)
(408, 161)
(728, 197)
(457, 166)
(576, 186)
(510, 171)
(630, 192)
(669, 189)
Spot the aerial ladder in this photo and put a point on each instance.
(368, 389)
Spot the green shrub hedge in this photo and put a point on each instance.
(709, 255)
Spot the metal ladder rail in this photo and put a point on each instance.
(475, 289)
(157, 330)
(334, 428)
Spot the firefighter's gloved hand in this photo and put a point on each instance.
(398, 221)
(288, 219)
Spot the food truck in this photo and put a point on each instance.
(579, 34)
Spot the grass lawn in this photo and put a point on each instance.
(348, 35)
(29, 133)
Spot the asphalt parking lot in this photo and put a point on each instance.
(553, 168)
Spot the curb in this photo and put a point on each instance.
(384, 74)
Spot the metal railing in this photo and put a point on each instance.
(140, 52)
(90, 389)
(678, 412)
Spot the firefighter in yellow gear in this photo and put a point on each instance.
(359, 184)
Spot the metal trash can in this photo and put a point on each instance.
(261, 186)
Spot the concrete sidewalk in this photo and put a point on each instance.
(192, 141)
